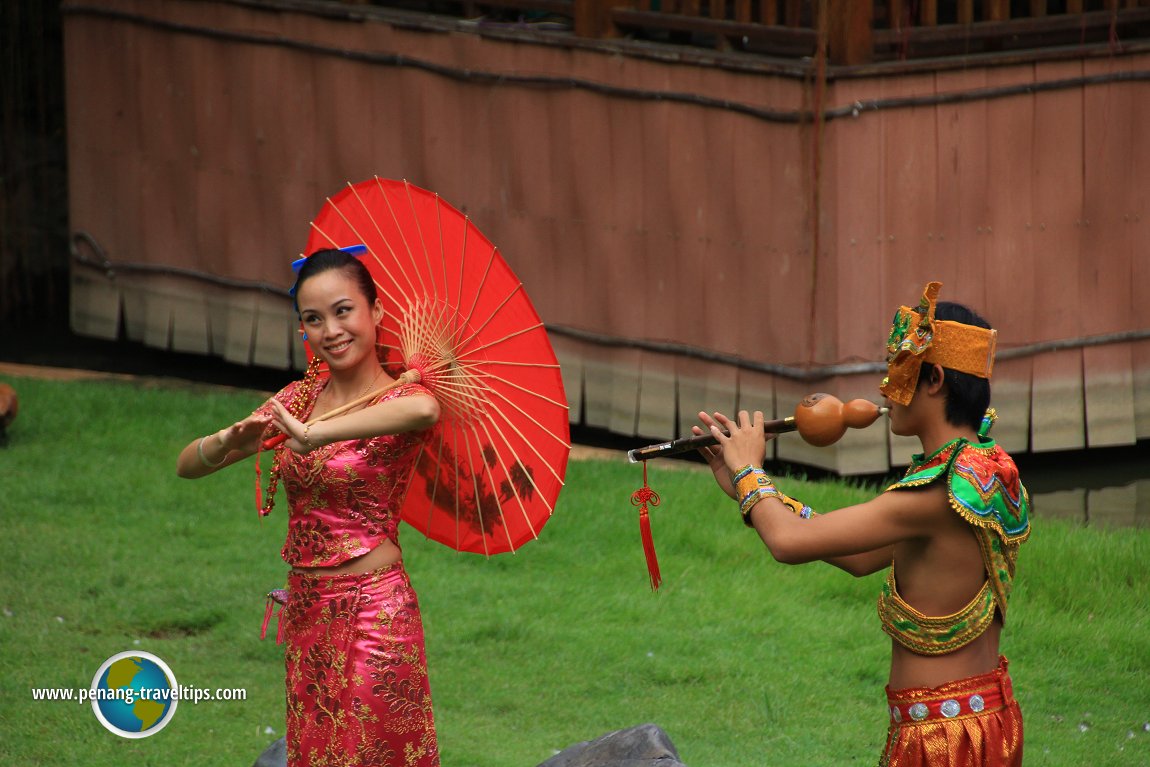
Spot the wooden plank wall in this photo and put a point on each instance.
(208, 146)
(1031, 209)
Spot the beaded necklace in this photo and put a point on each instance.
(304, 396)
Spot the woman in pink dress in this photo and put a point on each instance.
(357, 685)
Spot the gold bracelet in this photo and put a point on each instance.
(306, 438)
(204, 459)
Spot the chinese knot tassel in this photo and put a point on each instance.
(641, 498)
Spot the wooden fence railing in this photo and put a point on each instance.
(855, 31)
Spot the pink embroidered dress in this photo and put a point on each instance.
(345, 496)
(357, 685)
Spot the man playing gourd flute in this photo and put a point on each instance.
(949, 531)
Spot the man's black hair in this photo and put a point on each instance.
(967, 396)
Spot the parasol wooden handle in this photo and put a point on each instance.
(820, 419)
(408, 376)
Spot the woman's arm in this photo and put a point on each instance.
(207, 455)
(394, 416)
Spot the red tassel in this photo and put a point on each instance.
(641, 498)
(277, 596)
(267, 618)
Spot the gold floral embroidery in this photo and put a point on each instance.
(357, 695)
(345, 496)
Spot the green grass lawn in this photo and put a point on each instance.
(741, 660)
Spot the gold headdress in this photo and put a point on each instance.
(917, 337)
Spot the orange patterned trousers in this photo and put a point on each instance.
(972, 722)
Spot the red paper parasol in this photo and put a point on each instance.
(489, 473)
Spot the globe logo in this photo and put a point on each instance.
(134, 694)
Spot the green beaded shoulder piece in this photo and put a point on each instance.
(982, 484)
(926, 469)
(984, 488)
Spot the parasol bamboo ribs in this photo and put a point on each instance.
(820, 419)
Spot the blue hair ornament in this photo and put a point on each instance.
(351, 250)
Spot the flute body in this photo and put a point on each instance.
(687, 444)
(820, 420)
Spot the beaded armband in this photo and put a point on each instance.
(751, 486)
(798, 507)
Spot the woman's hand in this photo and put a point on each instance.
(295, 429)
(245, 435)
(747, 443)
(206, 455)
